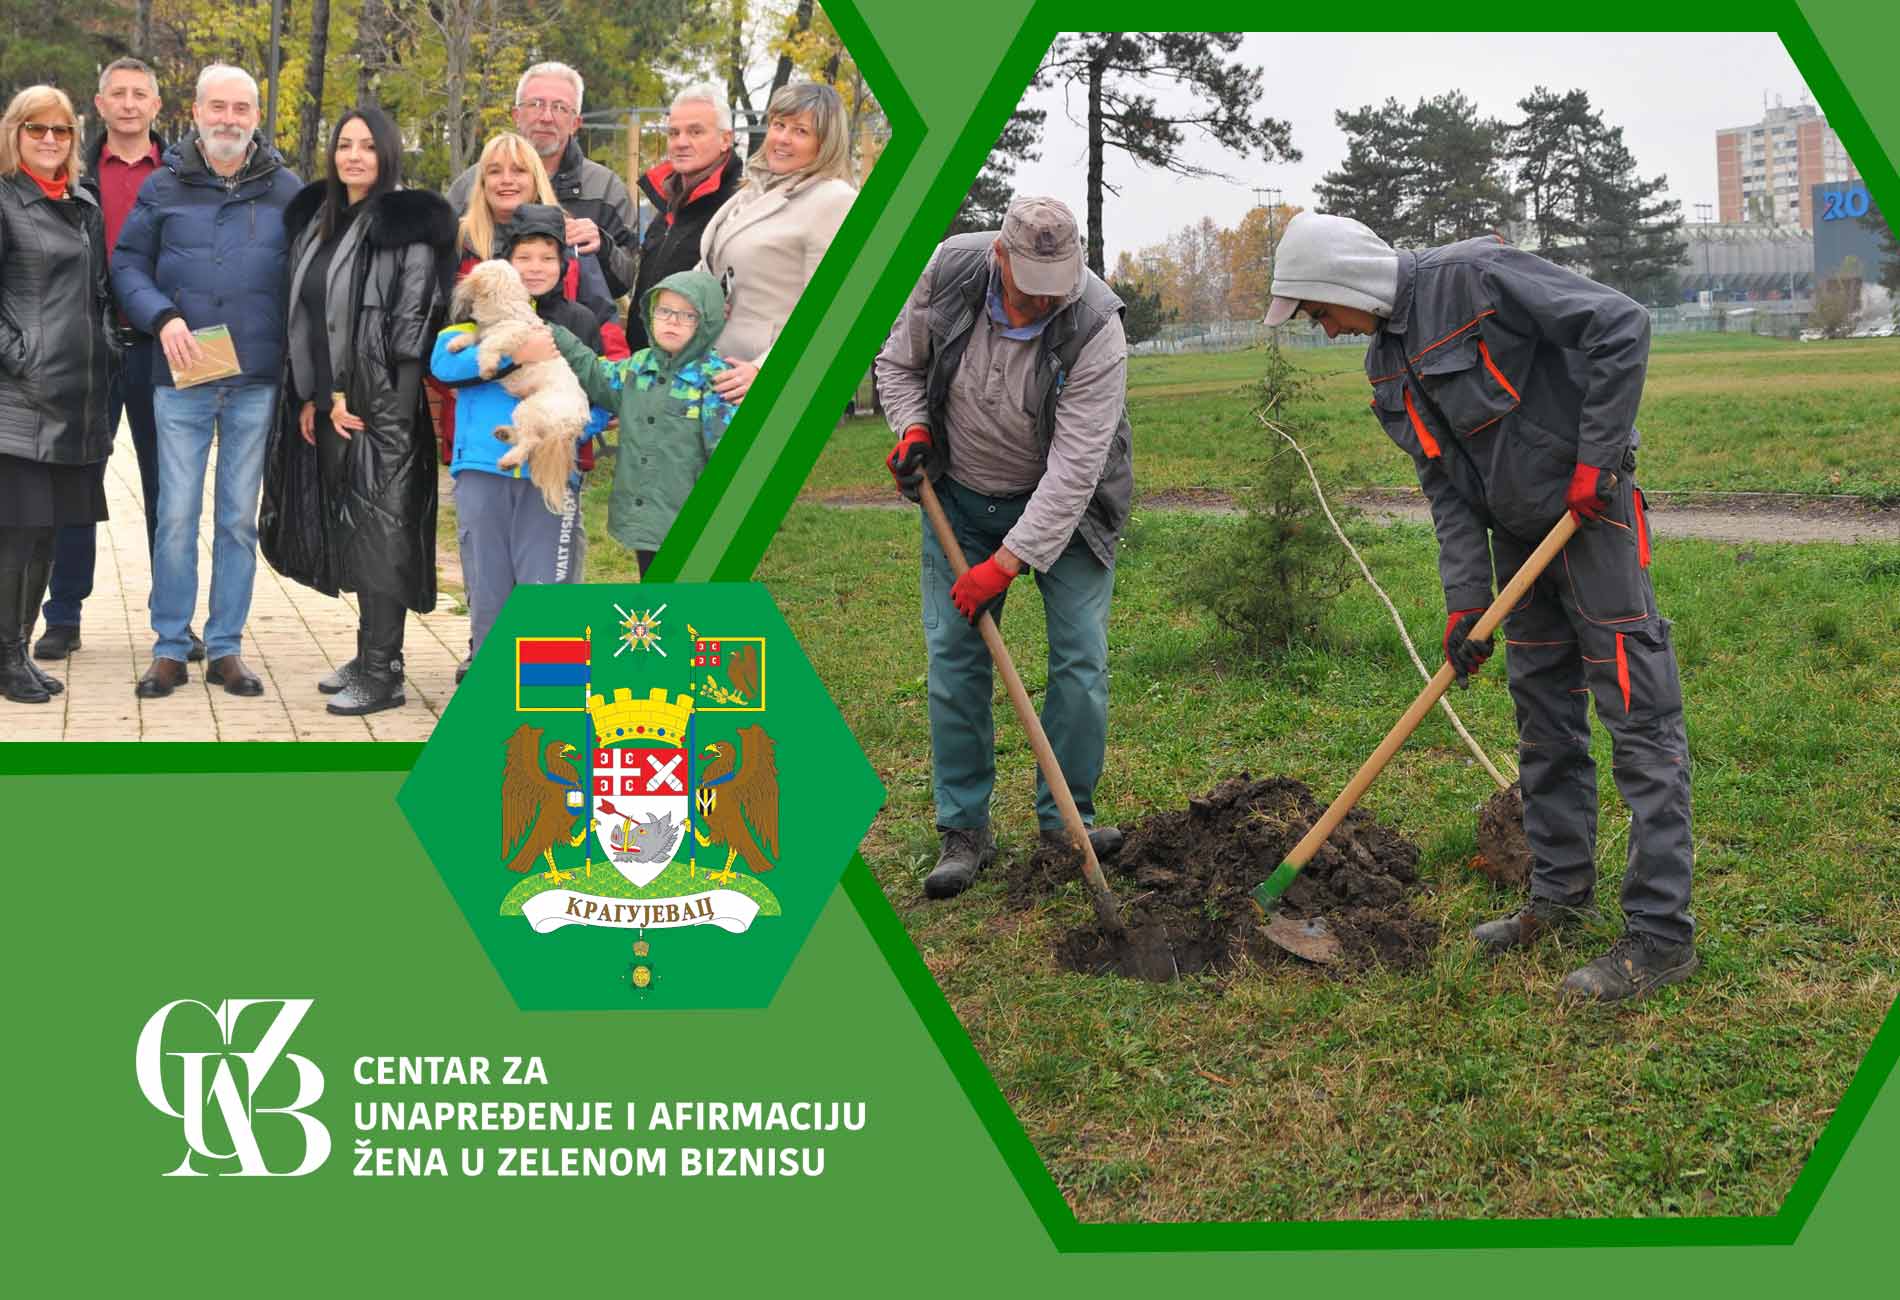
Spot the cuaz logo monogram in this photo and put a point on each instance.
(232, 1093)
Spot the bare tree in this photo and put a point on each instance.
(310, 117)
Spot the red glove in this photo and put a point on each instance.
(1466, 655)
(906, 461)
(981, 588)
(1589, 495)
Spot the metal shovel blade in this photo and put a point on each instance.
(1309, 940)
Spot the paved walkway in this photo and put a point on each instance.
(295, 636)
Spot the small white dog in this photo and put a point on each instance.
(552, 410)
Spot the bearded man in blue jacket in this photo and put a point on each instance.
(205, 246)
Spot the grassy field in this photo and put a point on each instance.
(1720, 413)
(1464, 1088)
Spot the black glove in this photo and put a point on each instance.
(1466, 656)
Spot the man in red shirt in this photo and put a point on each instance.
(118, 161)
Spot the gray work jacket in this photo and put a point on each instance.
(1073, 398)
(1499, 372)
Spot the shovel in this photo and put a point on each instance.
(1311, 939)
(1153, 958)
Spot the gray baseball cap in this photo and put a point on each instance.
(1045, 254)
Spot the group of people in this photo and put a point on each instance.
(127, 264)
(1512, 383)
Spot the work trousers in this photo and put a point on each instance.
(1075, 591)
(1589, 628)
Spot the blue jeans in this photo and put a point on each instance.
(241, 415)
(1075, 595)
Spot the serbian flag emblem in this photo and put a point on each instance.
(551, 674)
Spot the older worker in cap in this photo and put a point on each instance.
(1513, 385)
(1005, 379)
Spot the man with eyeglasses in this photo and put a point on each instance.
(1513, 385)
(598, 206)
(205, 246)
(119, 160)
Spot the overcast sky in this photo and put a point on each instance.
(1670, 92)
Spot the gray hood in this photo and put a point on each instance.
(1333, 260)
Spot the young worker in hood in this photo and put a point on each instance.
(1513, 384)
(1005, 379)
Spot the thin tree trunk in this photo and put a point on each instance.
(801, 23)
(310, 120)
(372, 37)
(1098, 68)
(142, 31)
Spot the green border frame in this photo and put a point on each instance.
(726, 527)
(749, 526)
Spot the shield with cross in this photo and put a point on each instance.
(641, 803)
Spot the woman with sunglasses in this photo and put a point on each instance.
(56, 362)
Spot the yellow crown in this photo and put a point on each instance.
(649, 721)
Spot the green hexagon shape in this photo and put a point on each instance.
(715, 792)
(1046, 19)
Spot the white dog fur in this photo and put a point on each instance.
(551, 410)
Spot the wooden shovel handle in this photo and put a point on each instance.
(1514, 590)
(1105, 908)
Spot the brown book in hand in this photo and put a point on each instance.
(219, 361)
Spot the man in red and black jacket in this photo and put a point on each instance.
(700, 173)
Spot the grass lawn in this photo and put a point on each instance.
(1463, 1088)
(1720, 413)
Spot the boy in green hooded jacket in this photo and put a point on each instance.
(670, 417)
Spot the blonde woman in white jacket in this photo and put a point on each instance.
(765, 244)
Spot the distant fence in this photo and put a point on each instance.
(1782, 319)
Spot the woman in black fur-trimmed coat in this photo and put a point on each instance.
(349, 480)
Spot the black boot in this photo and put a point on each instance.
(18, 681)
(334, 682)
(377, 682)
(39, 570)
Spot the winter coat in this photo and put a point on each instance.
(56, 355)
(388, 287)
(589, 191)
(484, 405)
(671, 241)
(211, 251)
(1499, 372)
(670, 417)
(579, 273)
(764, 246)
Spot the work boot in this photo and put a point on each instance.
(230, 672)
(1538, 917)
(1635, 966)
(60, 640)
(1105, 840)
(966, 850)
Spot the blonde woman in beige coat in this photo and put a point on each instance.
(765, 243)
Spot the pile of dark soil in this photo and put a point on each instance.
(1504, 855)
(1192, 872)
